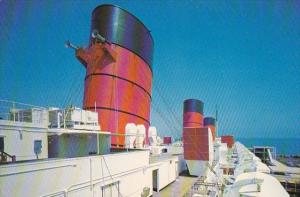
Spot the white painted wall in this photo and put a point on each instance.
(167, 171)
(181, 163)
(85, 176)
(223, 154)
(210, 146)
(19, 139)
(197, 167)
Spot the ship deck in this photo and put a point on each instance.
(283, 169)
(158, 158)
(32, 161)
(178, 188)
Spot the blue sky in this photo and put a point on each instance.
(243, 56)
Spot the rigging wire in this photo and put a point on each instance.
(171, 121)
(166, 119)
(111, 176)
(165, 101)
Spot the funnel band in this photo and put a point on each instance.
(115, 76)
(117, 110)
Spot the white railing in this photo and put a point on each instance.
(22, 112)
(71, 117)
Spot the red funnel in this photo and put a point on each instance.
(118, 78)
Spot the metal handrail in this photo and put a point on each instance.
(5, 154)
(14, 102)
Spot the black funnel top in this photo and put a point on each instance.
(193, 105)
(209, 121)
(120, 27)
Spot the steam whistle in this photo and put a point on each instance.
(95, 53)
(97, 37)
(68, 44)
(80, 53)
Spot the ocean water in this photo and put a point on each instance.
(286, 146)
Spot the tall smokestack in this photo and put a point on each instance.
(198, 149)
(228, 139)
(118, 62)
(210, 122)
(197, 140)
(192, 113)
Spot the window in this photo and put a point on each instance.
(1, 144)
(111, 190)
(37, 147)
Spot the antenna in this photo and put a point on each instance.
(216, 119)
(216, 112)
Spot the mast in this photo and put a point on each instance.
(216, 119)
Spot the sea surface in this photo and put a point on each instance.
(284, 146)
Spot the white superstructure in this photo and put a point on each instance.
(237, 172)
(65, 153)
(255, 184)
(68, 155)
(23, 140)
